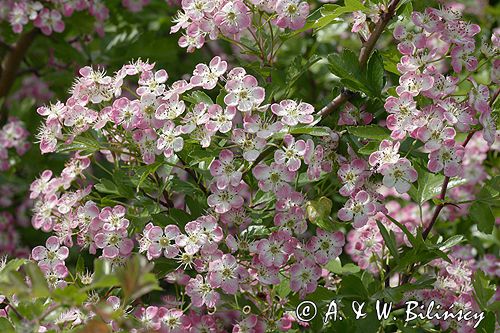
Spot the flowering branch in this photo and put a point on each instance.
(10, 66)
(364, 55)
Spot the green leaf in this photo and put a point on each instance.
(335, 266)
(6, 326)
(39, 285)
(107, 186)
(369, 132)
(429, 185)
(351, 286)
(198, 97)
(318, 213)
(481, 213)
(389, 240)
(482, 289)
(375, 74)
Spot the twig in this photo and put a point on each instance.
(364, 54)
(10, 66)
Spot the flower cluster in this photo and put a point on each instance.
(48, 15)
(425, 43)
(13, 137)
(232, 19)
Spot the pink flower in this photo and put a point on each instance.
(291, 153)
(326, 246)
(149, 317)
(207, 77)
(435, 133)
(169, 139)
(249, 324)
(462, 55)
(48, 21)
(222, 200)
(55, 274)
(457, 114)
(387, 153)
(152, 83)
(40, 185)
(48, 135)
(291, 13)
(147, 141)
(201, 292)
(224, 170)
(170, 108)
(275, 251)
(263, 128)
(403, 115)
(304, 276)
(160, 242)
(400, 175)
(414, 83)
(273, 177)
(351, 115)
(51, 254)
(223, 273)
(358, 208)
(352, 175)
(447, 157)
(220, 120)
(114, 243)
(244, 94)
(292, 220)
(113, 218)
(314, 158)
(197, 117)
(251, 146)
(126, 113)
(233, 17)
(410, 37)
(194, 240)
(293, 113)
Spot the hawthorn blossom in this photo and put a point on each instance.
(224, 170)
(157, 241)
(55, 274)
(169, 139)
(435, 133)
(49, 21)
(152, 83)
(220, 120)
(273, 177)
(233, 17)
(147, 141)
(275, 250)
(387, 153)
(358, 208)
(293, 113)
(244, 93)
(170, 108)
(326, 246)
(114, 243)
(352, 115)
(404, 116)
(113, 218)
(251, 146)
(222, 200)
(399, 175)
(261, 127)
(304, 276)
(201, 292)
(223, 273)
(50, 254)
(291, 13)
(291, 153)
(352, 175)
(207, 76)
(447, 157)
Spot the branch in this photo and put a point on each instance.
(364, 54)
(10, 66)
